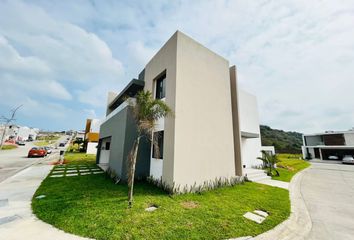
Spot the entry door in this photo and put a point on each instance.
(105, 151)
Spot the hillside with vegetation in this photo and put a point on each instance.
(284, 142)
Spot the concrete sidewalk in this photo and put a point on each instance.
(299, 224)
(16, 218)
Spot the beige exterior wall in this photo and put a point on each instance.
(165, 59)
(203, 138)
(236, 121)
(198, 140)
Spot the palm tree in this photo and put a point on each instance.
(146, 111)
(269, 160)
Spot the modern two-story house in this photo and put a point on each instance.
(330, 145)
(214, 132)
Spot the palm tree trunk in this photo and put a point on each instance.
(132, 162)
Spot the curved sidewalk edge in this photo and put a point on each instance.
(299, 224)
(18, 221)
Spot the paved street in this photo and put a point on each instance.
(12, 161)
(328, 191)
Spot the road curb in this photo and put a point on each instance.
(299, 224)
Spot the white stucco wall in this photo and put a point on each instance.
(91, 148)
(251, 149)
(269, 149)
(249, 117)
(349, 139)
(249, 122)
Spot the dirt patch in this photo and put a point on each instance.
(189, 204)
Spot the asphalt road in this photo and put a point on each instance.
(328, 192)
(14, 160)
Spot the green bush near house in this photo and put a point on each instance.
(289, 165)
(93, 206)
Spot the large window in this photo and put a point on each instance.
(160, 86)
(157, 152)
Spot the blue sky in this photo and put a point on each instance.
(60, 58)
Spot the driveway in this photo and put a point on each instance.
(328, 192)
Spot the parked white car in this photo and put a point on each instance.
(348, 159)
(333, 157)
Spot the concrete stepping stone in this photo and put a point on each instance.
(57, 175)
(71, 171)
(40, 196)
(84, 170)
(4, 202)
(72, 174)
(254, 217)
(261, 213)
(85, 173)
(150, 209)
(96, 172)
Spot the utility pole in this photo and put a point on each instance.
(7, 121)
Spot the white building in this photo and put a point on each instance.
(330, 145)
(20, 133)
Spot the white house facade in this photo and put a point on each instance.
(330, 145)
(214, 132)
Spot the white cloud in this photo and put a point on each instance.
(60, 51)
(297, 56)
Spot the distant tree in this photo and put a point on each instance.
(7, 121)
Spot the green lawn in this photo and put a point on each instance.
(42, 143)
(47, 138)
(93, 206)
(79, 158)
(8, 147)
(289, 165)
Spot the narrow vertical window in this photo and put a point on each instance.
(160, 87)
(157, 151)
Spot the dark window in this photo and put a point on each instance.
(334, 139)
(108, 145)
(161, 87)
(158, 152)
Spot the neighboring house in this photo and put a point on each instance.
(214, 132)
(80, 135)
(328, 145)
(21, 133)
(92, 130)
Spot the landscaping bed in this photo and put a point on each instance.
(289, 165)
(93, 206)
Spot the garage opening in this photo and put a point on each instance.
(336, 154)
